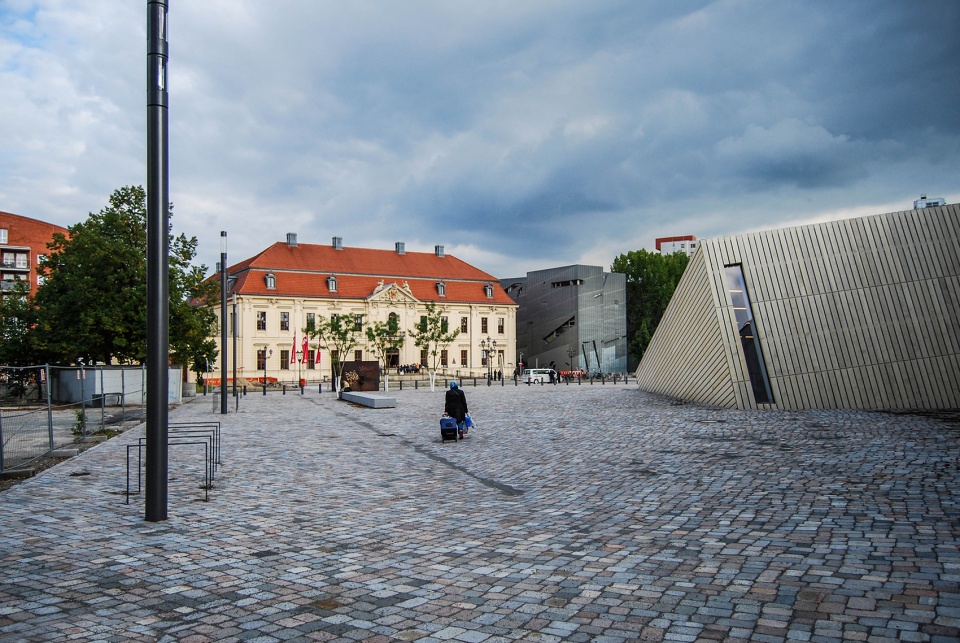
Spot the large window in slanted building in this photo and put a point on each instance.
(284, 321)
(464, 358)
(746, 326)
(483, 325)
(261, 320)
(501, 325)
(261, 359)
(443, 357)
(311, 322)
(285, 360)
(463, 324)
(311, 364)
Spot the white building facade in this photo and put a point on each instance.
(273, 296)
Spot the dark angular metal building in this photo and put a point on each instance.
(570, 318)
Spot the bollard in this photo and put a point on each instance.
(501, 382)
(401, 385)
(416, 385)
(264, 386)
(244, 390)
(284, 389)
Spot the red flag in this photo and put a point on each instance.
(293, 353)
(306, 348)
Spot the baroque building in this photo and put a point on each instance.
(274, 295)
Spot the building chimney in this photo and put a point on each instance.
(438, 250)
(292, 239)
(338, 243)
(401, 250)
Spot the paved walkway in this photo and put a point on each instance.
(574, 513)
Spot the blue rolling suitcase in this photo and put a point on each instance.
(448, 429)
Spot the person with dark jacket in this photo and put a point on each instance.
(455, 405)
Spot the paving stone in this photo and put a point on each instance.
(332, 522)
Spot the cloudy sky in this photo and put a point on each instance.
(519, 134)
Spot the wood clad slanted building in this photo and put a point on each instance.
(280, 291)
(859, 313)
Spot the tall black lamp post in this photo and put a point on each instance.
(488, 347)
(223, 322)
(233, 330)
(158, 287)
(266, 354)
(300, 356)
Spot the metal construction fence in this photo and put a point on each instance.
(45, 408)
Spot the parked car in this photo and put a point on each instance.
(536, 375)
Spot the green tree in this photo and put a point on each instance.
(339, 335)
(16, 320)
(384, 338)
(93, 302)
(432, 335)
(192, 326)
(651, 280)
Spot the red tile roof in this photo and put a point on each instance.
(302, 271)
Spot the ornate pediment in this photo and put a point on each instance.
(392, 293)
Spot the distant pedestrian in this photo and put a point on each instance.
(455, 405)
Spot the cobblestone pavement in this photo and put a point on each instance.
(573, 513)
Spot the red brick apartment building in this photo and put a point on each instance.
(23, 241)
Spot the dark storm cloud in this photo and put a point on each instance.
(520, 135)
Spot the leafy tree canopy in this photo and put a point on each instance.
(432, 335)
(651, 280)
(16, 319)
(384, 338)
(340, 335)
(93, 302)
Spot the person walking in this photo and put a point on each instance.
(455, 405)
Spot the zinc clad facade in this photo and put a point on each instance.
(859, 313)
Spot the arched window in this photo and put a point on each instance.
(271, 281)
(488, 290)
(441, 289)
(332, 283)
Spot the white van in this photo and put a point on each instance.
(539, 375)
